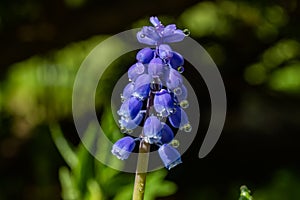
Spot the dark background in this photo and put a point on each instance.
(255, 44)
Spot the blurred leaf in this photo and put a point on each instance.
(286, 79)
(63, 146)
(94, 191)
(156, 186)
(69, 190)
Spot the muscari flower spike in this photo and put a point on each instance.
(156, 74)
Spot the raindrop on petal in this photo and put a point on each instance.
(186, 32)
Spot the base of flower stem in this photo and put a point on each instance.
(141, 171)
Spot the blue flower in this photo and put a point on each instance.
(159, 34)
(165, 52)
(145, 55)
(167, 134)
(142, 86)
(169, 155)
(174, 79)
(179, 119)
(127, 125)
(123, 147)
(130, 108)
(163, 103)
(135, 70)
(156, 67)
(155, 80)
(152, 129)
(176, 60)
(127, 91)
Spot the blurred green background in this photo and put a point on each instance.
(256, 46)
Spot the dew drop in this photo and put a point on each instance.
(186, 32)
(177, 91)
(184, 104)
(175, 143)
(123, 129)
(159, 116)
(129, 131)
(187, 127)
(142, 35)
(156, 84)
(180, 69)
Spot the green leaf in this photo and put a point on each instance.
(63, 146)
(69, 190)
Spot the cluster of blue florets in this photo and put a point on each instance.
(156, 75)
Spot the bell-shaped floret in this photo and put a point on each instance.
(174, 79)
(156, 67)
(123, 147)
(165, 52)
(179, 119)
(176, 60)
(136, 70)
(128, 125)
(142, 86)
(167, 134)
(127, 91)
(163, 103)
(152, 129)
(130, 108)
(169, 155)
(145, 55)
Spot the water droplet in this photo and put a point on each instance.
(119, 112)
(187, 127)
(173, 110)
(129, 131)
(142, 35)
(156, 84)
(123, 129)
(180, 69)
(177, 91)
(184, 104)
(159, 116)
(186, 32)
(141, 190)
(175, 143)
(122, 98)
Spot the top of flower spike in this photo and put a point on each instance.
(159, 34)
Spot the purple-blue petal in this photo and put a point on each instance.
(127, 91)
(167, 134)
(142, 86)
(155, 21)
(182, 95)
(130, 108)
(148, 35)
(169, 155)
(174, 79)
(151, 130)
(156, 67)
(176, 36)
(176, 60)
(131, 124)
(165, 52)
(145, 55)
(123, 147)
(163, 103)
(179, 118)
(135, 70)
(142, 38)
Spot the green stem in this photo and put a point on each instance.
(141, 171)
(143, 158)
